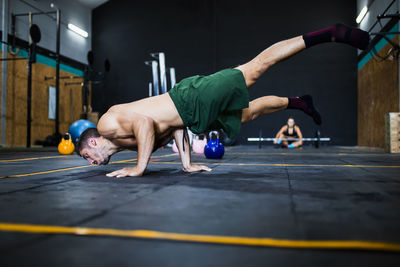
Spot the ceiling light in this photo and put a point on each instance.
(78, 30)
(362, 14)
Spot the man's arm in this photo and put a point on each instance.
(182, 143)
(143, 129)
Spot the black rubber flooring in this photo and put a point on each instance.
(333, 193)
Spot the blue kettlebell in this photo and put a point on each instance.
(214, 148)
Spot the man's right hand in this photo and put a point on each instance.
(196, 168)
(132, 171)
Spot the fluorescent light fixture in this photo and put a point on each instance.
(362, 14)
(78, 30)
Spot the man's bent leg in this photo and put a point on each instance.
(263, 105)
(270, 104)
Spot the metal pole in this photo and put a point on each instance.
(29, 93)
(150, 89)
(172, 77)
(154, 69)
(4, 72)
(58, 73)
(13, 32)
(29, 104)
(30, 24)
(35, 13)
(163, 74)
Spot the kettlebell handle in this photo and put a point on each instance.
(213, 132)
(69, 136)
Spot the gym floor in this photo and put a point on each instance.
(325, 194)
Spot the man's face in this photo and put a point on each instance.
(94, 156)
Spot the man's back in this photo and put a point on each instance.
(117, 123)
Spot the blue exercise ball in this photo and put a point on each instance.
(77, 128)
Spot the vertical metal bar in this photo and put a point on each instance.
(13, 32)
(4, 71)
(215, 35)
(163, 74)
(29, 90)
(71, 97)
(29, 100)
(57, 131)
(85, 93)
(30, 24)
(90, 109)
(172, 77)
(154, 67)
(150, 89)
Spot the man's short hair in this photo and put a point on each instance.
(84, 137)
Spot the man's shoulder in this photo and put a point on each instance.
(108, 122)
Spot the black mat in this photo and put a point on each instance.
(329, 193)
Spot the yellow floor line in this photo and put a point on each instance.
(45, 172)
(226, 240)
(73, 168)
(64, 169)
(266, 153)
(205, 163)
(26, 159)
(279, 164)
(54, 157)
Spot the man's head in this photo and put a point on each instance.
(92, 147)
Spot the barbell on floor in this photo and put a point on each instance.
(258, 139)
(317, 139)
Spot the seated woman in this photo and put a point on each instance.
(291, 130)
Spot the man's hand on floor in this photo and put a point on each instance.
(196, 168)
(132, 171)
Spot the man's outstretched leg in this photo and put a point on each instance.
(285, 49)
(253, 69)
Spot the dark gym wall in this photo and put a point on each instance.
(203, 36)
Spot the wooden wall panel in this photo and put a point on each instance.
(17, 103)
(378, 94)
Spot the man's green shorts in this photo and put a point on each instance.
(212, 102)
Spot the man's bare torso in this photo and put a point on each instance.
(117, 123)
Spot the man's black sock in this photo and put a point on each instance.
(339, 33)
(305, 103)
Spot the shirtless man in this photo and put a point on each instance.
(202, 103)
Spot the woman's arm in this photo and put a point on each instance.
(280, 133)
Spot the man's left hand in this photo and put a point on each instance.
(132, 171)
